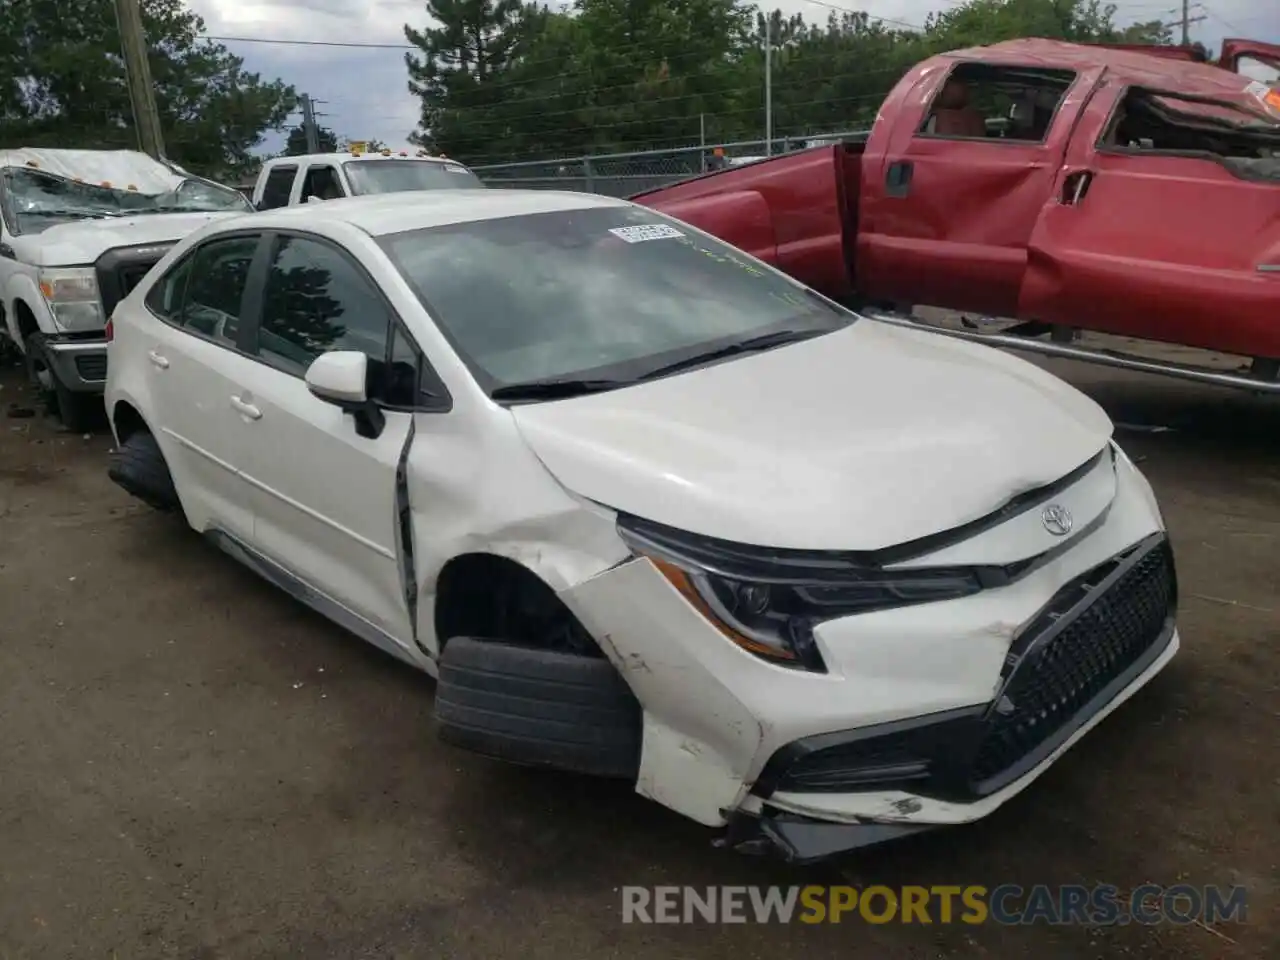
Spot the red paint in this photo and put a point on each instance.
(1159, 247)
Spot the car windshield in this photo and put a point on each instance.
(397, 176)
(39, 200)
(615, 294)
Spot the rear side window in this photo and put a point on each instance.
(275, 192)
(215, 290)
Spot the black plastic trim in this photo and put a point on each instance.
(110, 266)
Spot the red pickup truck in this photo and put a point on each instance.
(1071, 188)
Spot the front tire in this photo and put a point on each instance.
(538, 707)
(76, 411)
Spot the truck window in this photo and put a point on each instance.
(322, 182)
(396, 176)
(986, 101)
(1261, 70)
(1153, 122)
(275, 192)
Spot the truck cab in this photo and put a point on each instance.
(287, 181)
(78, 230)
(1070, 187)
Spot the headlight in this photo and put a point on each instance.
(73, 298)
(769, 601)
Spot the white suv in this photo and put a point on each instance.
(648, 508)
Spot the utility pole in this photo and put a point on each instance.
(1186, 20)
(768, 87)
(309, 124)
(133, 46)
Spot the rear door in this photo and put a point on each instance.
(1257, 61)
(1157, 244)
(947, 219)
(196, 365)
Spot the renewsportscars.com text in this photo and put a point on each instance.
(1008, 904)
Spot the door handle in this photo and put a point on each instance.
(247, 409)
(1075, 186)
(897, 179)
(158, 360)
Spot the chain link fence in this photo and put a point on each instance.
(626, 174)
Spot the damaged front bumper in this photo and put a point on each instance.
(803, 827)
(927, 716)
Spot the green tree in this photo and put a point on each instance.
(296, 144)
(63, 83)
(458, 73)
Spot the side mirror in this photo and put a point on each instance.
(341, 378)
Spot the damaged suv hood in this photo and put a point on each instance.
(858, 440)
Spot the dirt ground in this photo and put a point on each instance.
(193, 766)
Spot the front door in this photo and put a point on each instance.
(947, 214)
(325, 497)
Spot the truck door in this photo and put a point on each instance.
(1153, 233)
(1249, 58)
(948, 209)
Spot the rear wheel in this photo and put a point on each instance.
(138, 466)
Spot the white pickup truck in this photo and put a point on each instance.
(78, 230)
(286, 181)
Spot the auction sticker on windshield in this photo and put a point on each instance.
(646, 231)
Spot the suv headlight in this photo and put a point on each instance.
(768, 601)
(73, 298)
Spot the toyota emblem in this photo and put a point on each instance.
(1056, 519)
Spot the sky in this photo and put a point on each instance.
(362, 92)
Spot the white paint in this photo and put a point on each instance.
(864, 438)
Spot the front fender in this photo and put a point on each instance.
(21, 288)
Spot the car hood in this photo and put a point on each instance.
(82, 242)
(865, 438)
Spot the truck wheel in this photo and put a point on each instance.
(76, 411)
(138, 467)
(538, 707)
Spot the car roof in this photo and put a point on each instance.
(1135, 67)
(386, 213)
(342, 156)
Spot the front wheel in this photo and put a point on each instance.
(75, 410)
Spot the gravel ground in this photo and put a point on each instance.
(193, 766)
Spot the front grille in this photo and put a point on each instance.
(1095, 635)
(1061, 673)
(92, 367)
(122, 268)
(130, 275)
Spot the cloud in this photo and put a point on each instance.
(363, 93)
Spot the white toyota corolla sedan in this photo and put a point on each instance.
(650, 509)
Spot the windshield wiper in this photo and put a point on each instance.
(76, 214)
(555, 389)
(765, 341)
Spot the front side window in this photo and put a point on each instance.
(614, 292)
(397, 176)
(322, 183)
(215, 288)
(316, 300)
